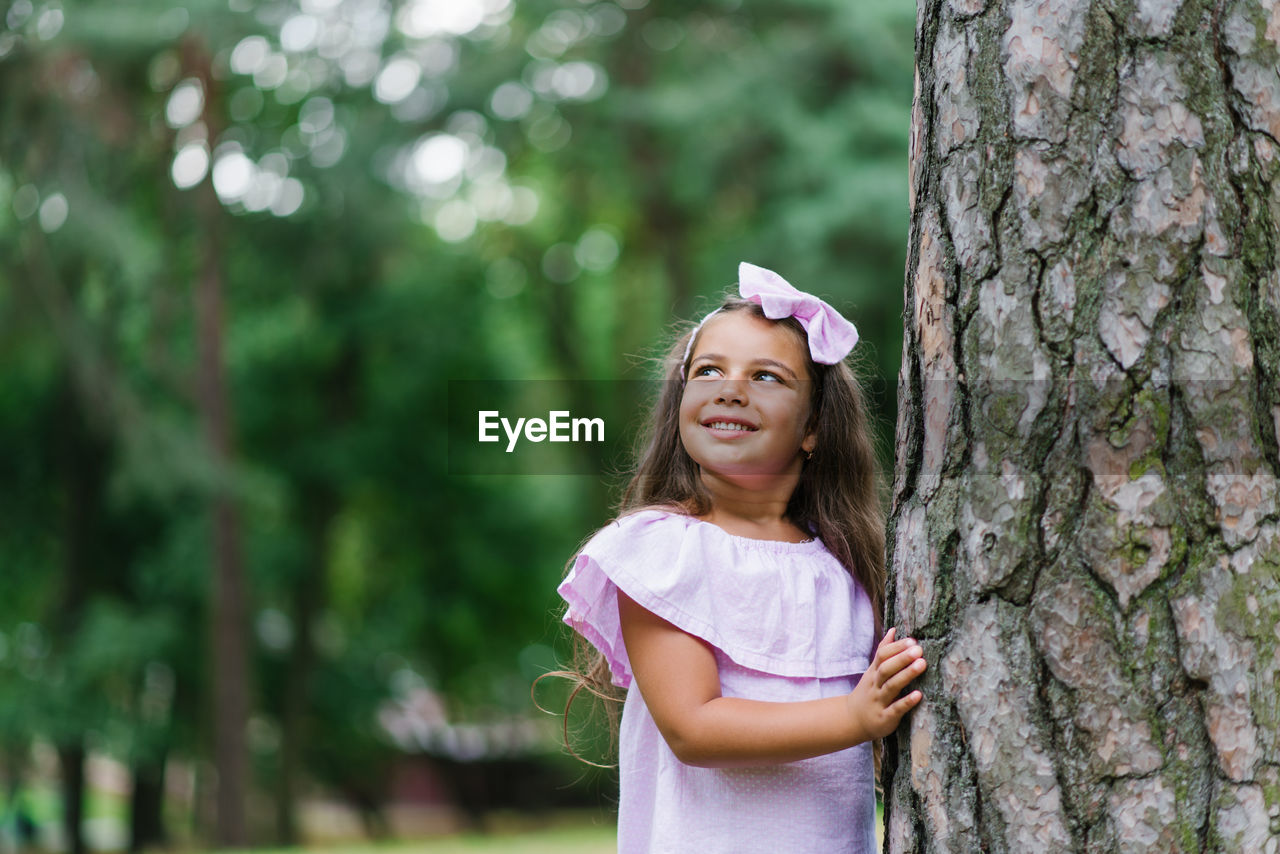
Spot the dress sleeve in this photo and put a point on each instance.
(614, 558)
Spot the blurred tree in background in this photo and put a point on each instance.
(245, 246)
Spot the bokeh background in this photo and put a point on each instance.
(244, 248)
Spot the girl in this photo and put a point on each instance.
(737, 596)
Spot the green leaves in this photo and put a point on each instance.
(390, 208)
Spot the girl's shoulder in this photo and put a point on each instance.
(656, 512)
(643, 518)
(636, 533)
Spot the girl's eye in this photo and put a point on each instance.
(709, 370)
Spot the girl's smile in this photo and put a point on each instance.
(745, 408)
(728, 426)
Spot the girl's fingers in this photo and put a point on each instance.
(900, 660)
(896, 683)
(907, 703)
(888, 649)
(882, 647)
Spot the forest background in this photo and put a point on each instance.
(244, 249)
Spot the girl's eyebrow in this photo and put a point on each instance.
(716, 357)
(777, 364)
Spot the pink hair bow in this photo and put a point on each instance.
(831, 337)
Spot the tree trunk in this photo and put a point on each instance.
(1084, 532)
(319, 504)
(293, 717)
(229, 609)
(146, 806)
(71, 764)
(82, 460)
(157, 691)
(310, 596)
(229, 617)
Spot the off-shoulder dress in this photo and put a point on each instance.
(787, 622)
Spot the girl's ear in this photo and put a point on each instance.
(810, 441)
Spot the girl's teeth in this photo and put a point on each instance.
(726, 425)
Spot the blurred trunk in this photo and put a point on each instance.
(293, 714)
(309, 598)
(71, 763)
(146, 806)
(82, 464)
(1085, 530)
(157, 692)
(229, 621)
(372, 818)
(320, 503)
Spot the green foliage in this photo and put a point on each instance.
(662, 144)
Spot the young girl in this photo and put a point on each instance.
(737, 595)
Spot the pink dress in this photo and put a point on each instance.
(787, 622)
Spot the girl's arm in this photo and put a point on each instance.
(677, 676)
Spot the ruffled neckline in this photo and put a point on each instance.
(789, 609)
(811, 545)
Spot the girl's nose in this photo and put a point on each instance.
(732, 391)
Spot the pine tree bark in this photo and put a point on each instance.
(1084, 531)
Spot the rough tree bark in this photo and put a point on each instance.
(1085, 532)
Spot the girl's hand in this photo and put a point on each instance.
(874, 702)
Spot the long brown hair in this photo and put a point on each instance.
(838, 497)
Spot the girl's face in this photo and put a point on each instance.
(745, 409)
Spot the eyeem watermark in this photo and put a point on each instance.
(545, 427)
(559, 426)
